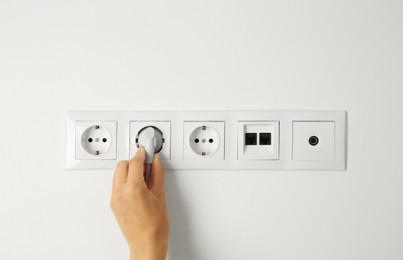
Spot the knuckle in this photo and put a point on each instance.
(136, 190)
(116, 200)
(112, 205)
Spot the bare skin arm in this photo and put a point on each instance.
(141, 211)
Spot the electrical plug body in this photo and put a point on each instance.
(152, 140)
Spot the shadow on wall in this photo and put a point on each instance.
(181, 242)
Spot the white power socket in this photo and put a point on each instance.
(95, 140)
(211, 140)
(203, 140)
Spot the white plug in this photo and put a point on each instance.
(151, 139)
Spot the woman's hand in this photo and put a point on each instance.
(141, 211)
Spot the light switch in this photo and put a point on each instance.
(313, 141)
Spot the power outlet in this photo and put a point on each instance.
(203, 140)
(163, 126)
(313, 141)
(211, 140)
(95, 140)
(258, 140)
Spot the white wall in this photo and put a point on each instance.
(105, 55)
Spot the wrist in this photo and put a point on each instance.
(147, 255)
(149, 251)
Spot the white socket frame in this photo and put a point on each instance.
(231, 119)
(323, 151)
(258, 152)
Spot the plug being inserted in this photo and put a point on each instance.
(152, 140)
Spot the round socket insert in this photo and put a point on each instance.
(204, 140)
(96, 140)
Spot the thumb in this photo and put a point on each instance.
(157, 177)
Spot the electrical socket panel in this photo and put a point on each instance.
(211, 140)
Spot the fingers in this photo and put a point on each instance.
(120, 175)
(136, 168)
(157, 177)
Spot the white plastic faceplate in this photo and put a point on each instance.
(231, 119)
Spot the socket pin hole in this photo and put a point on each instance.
(211, 140)
(90, 140)
(313, 140)
(197, 141)
(104, 140)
